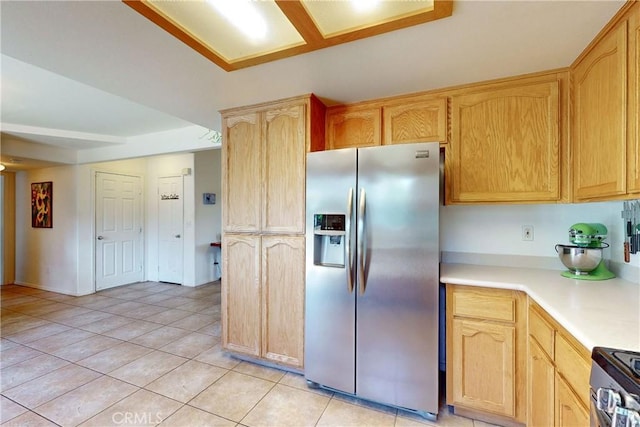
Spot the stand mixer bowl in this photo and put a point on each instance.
(580, 260)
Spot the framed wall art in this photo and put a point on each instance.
(42, 204)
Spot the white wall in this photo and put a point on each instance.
(47, 258)
(208, 179)
(497, 229)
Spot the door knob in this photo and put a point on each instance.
(100, 238)
(177, 236)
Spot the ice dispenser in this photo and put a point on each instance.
(329, 240)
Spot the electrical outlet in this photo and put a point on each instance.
(527, 233)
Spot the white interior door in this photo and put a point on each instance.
(119, 253)
(170, 239)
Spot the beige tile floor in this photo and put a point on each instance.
(149, 354)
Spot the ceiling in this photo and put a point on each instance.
(81, 75)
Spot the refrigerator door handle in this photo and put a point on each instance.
(360, 237)
(349, 254)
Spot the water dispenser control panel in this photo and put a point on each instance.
(329, 239)
(329, 222)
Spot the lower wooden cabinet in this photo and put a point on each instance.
(569, 409)
(559, 368)
(484, 356)
(486, 350)
(540, 394)
(511, 363)
(263, 297)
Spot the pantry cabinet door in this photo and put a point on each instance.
(284, 170)
(241, 302)
(283, 278)
(242, 172)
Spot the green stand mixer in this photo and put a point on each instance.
(583, 257)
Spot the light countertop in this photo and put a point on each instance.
(597, 313)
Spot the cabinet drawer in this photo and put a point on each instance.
(542, 332)
(573, 367)
(490, 304)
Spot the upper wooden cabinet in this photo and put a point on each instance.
(353, 126)
(605, 113)
(263, 157)
(398, 121)
(633, 138)
(415, 120)
(600, 119)
(506, 143)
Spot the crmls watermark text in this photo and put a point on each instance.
(136, 418)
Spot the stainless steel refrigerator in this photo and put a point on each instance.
(372, 273)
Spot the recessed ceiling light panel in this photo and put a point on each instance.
(338, 17)
(225, 28)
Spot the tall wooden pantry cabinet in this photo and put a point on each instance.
(263, 214)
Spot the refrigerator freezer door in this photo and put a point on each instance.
(397, 315)
(330, 299)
